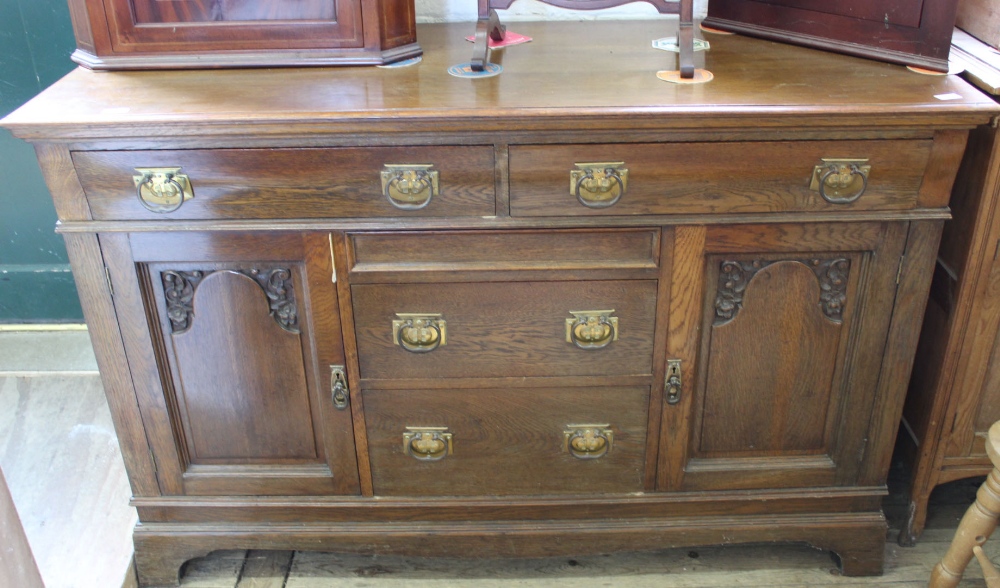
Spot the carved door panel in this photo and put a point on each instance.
(237, 390)
(179, 25)
(777, 333)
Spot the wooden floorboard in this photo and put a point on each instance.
(60, 454)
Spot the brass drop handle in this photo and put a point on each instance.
(588, 441)
(598, 185)
(427, 443)
(841, 181)
(409, 186)
(592, 329)
(419, 333)
(338, 387)
(162, 189)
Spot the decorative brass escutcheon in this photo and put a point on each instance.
(591, 329)
(339, 391)
(588, 441)
(419, 333)
(598, 185)
(427, 443)
(162, 189)
(672, 384)
(409, 186)
(841, 181)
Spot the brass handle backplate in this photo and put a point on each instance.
(338, 387)
(427, 443)
(162, 189)
(409, 186)
(591, 329)
(841, 181)
(598, 185)
(419, 333)
(588, 441)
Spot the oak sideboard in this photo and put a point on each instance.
(568, 309)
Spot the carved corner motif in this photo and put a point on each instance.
(735, 275)
(277, 285)
(832, 274)
(179, 288)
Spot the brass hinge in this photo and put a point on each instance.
(995, 122)
(152, 459)
(864, 447)
(899, 270)
(107, 276)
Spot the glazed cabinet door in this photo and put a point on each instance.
(185, 25)
(775, 343)
(236, 352)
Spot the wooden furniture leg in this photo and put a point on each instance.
(486, 29)
(989, 571)
(685, 41)
(976, 526)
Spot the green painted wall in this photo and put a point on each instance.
(36, 39)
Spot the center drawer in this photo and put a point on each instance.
(511, 441)
(505, 329)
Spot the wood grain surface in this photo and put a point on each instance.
(505, 329)
(288, 183)
(754, 84)
(677, 178)
(499, 432)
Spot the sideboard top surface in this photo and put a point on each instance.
(573, 76)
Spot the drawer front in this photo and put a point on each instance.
(510, 441)
(505, 250)
(701, 178)
(290, 183)
(504, 329)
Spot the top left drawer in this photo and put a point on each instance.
(288, 183)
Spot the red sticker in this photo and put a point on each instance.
(509, 38)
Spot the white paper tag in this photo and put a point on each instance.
(950, 96)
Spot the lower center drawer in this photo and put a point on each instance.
(490, 442)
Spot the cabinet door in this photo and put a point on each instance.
(231, 339)
(779, 331)
(186, 25)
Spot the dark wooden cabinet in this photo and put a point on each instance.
(911, 32)
(157, 34)
(523, 316)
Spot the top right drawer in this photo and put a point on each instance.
(708, 178)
